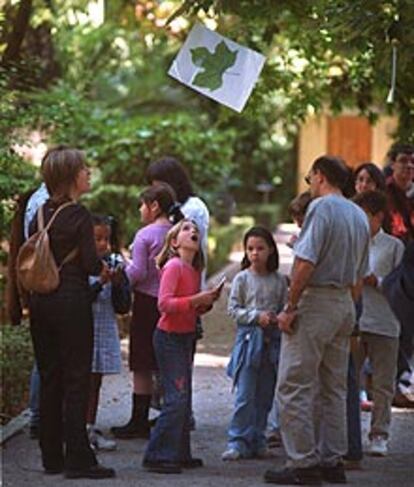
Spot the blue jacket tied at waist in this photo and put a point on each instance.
(249, 347)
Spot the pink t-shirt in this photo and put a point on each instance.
(179, 281)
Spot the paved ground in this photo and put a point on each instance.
(212, 404)
(213, 401)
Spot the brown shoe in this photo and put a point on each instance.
(352, 464)
(334, 474)
(402, 401)
(92, 472)
(294, 476)
(162, 467)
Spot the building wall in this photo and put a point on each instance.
(313, 141)
(348, 136)
(382, 138)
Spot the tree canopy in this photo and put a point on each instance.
(101, 84)
(98, 80)
(328, 52)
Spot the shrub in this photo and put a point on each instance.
(267, 214)
(222, 239)
(16, 365)
(119, 201)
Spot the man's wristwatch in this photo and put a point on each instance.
(289, 308)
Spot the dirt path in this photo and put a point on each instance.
(213, 406)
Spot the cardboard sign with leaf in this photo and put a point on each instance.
(217, 67)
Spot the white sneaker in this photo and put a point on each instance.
(378, 447)
(99, 442)
(230, 455)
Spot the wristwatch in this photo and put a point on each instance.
(289, 308)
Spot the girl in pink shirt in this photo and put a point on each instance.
(179, 301)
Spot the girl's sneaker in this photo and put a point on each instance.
(230, 455)
(98, 441)
(378, 446)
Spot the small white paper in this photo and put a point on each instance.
(217, 67)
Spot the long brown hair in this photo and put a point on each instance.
(168, 251)
(272, 263)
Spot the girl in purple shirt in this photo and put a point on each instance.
(155, 205)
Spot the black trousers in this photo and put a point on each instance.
(62, 333)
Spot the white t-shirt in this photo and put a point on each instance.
(385, 253)
(195, 209)
(38, 198)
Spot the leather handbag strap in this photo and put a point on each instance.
(40, 216)
(40, 224)
(71, 255)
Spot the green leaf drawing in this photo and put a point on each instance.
(199, 55)
(214, 65)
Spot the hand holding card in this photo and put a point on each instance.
(219, 287)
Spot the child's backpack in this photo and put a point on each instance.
(36, 266)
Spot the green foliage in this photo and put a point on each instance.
(16, 364)
(267, 214)
(127, 146)
(16, 176)
(120, 202)
(323, 53)
(107, 92)
(214, 65)
(119, 148)
(222, 239)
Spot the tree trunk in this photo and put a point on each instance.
(16, 36)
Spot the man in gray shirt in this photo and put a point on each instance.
(331, 258)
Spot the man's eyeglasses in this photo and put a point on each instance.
(405, 159)
(307, 179)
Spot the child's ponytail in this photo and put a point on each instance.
(163, 194)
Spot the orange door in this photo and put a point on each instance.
(350, 137)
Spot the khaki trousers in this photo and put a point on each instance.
(312, 375)
(382, 352)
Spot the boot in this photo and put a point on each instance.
(138, 426)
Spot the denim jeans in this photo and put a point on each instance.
(34, 396)
(273, 421)
(255, 389)
(353, 414)
(170, 438)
